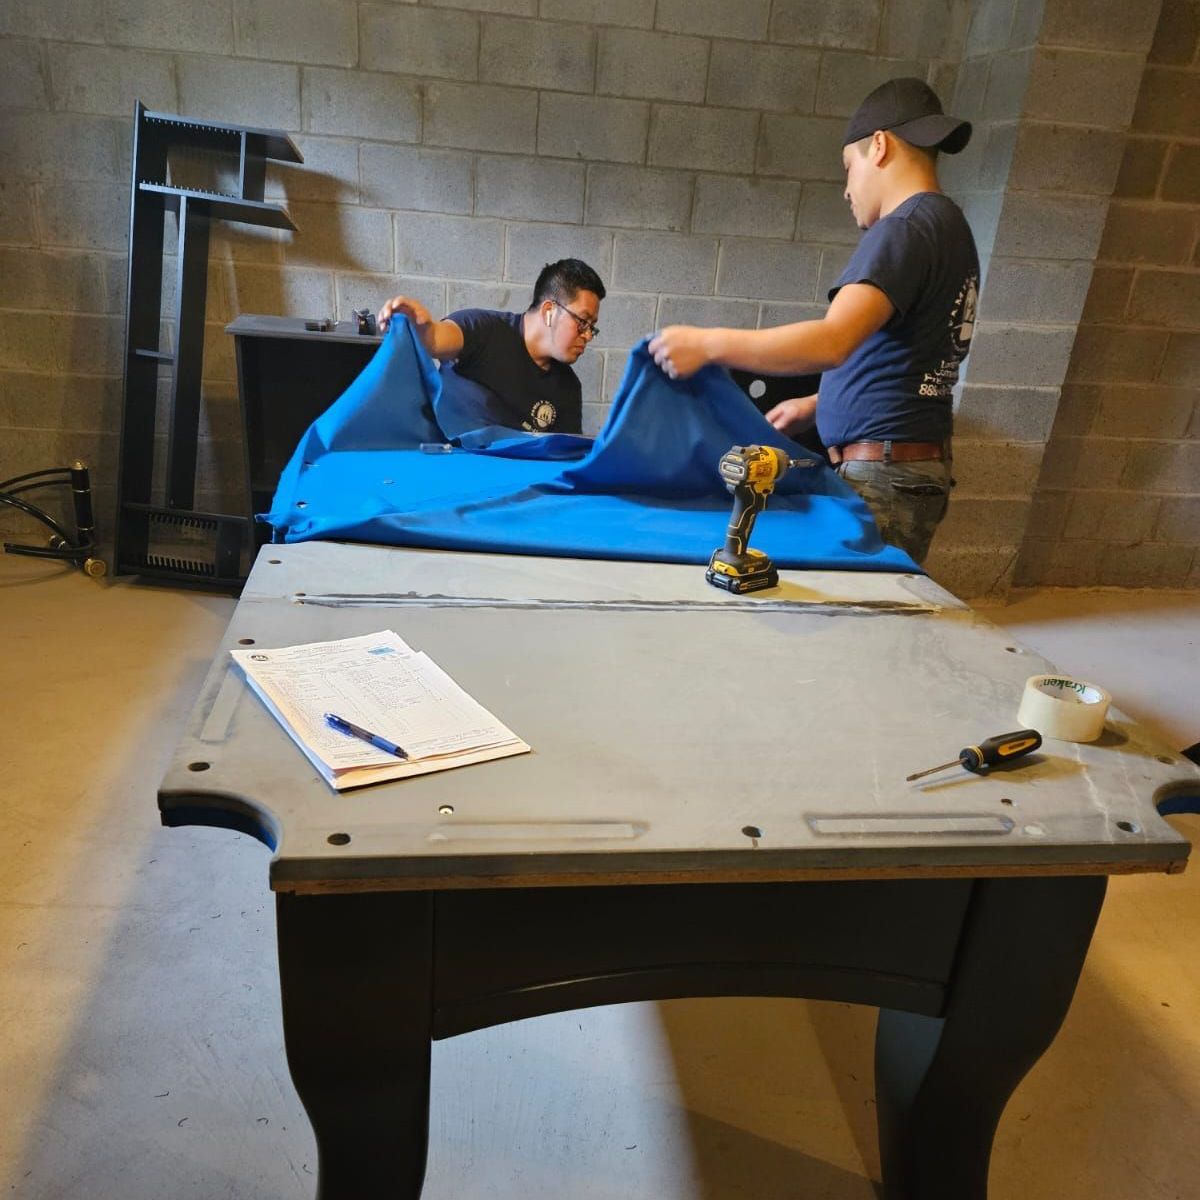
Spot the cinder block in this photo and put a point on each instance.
(255, 93)
(1141, 168)
(996, 469)
(1108, 295)
(355, 290)
(801, 147)
(16, 212)
(1024, 355)
(22, 84)
(365, 104)
(37, 19)
(972, 522)
(458, 247)
(243, 243)
(1181, 363)
(306, 31)
(707, 139)
(652, 66)
(516, 8)
(1148, 233)
(340, 235)
(1181, 183)
(1177, 38)
(834, 260)
(1049, 563)
(27, 341)
(532, 189)
(638, 197)
(1168, 101)
(1048, 513)
(89, 214)
(170, 25)
(1099, 24)
(53, 280)
(415, 178)
(1027, 23)
(70, 403)
(590, 369)
(1179, 521)
(988, 28)
(1107, 354)
(851, 25)
(1078, 406)
(1067, 158)
(1035, 291)
(825, 215)
(983, 210)
(594, 417)
(504, 297)
(87, 344)
(714, 18)
(707, 311)
(749, 75)
(638, 14)
(531, 247)
(1084, 87)
(746, 207)
(845, 80)
(774, 313)
(1085, 463)
(420, 41)
(664, 262)
(47, 145)
(1006, 414)
(768, 270)
(1116, 517)
(220, 365)
(592, 127)
(624, 320)
(1007, 84)
(1033, 226)
(545, 54)
(1166, 298)
(329, 172)
(967, 100)
(924, 29)
(1143, 566)
(616, 363)
(302, 291)
(970, 573)
(999, 145)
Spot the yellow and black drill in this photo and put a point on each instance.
(750, 473)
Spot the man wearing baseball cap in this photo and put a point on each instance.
(899, 321)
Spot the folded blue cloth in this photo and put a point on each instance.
(646, 488)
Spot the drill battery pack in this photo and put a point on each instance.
(753, 574)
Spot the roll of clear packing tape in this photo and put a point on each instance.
(1059, 707)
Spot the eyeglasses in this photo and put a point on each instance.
(587, 327)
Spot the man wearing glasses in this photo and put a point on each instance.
(513, 369)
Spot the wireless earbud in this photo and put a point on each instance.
(547, 318)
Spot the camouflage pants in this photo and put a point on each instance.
(907, 500)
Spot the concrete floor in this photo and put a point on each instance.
(140, 1047)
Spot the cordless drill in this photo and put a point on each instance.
(750, 473)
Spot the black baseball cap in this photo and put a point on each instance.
(910, 109)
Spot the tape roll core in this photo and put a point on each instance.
(1060, 707)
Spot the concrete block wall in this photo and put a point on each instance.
(689, 149)
(1051, 86)
(1118, 496)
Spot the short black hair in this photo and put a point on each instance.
(564, 280)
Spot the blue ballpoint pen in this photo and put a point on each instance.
(380, 743)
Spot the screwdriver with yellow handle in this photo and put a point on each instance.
(991, 753)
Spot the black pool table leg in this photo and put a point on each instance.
(942, 1083)
(356, 980)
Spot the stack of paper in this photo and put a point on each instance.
(381, 684)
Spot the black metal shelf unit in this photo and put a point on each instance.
(171, 540)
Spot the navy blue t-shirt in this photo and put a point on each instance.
(897, 384)
(522, 395)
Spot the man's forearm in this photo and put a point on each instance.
(805, 348)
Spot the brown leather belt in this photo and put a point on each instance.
(887, 452)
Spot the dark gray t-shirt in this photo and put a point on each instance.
(523, 396)
(897, 384)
